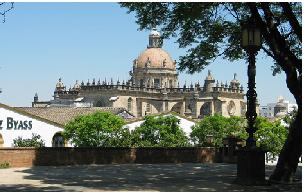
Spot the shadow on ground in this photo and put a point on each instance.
(138, 177)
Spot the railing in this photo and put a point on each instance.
(146, 89)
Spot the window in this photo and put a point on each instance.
(170, 83)
(148, 108)
(231, 108)
(130, 104)
(58, 140)
(156, 83)
(205, 109)
(141, 83)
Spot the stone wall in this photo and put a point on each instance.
(27, 157)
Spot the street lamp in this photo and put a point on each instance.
(251, 159)
(251, 43)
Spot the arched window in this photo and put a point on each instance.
(205, 110)
(58, 140)
(1, 140)
(231, 108)
(130, 104)
(177, 107)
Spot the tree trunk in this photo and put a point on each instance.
(291, 152)
(292, 66)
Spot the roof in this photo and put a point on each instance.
(163, 113)
(157, 57)
(62, 115)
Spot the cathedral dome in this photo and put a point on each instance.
(155, 58)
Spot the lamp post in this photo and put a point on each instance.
(251, 43)
(251, 159)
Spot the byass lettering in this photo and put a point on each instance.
(18, 124)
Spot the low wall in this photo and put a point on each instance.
(27, 157)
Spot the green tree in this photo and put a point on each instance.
(35, 141)
(270, 135)
(159, 131)
(211, 30)
(219, 127)
(236, 127)
(290, 117)
(100, 129)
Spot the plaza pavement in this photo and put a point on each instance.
(134, 177)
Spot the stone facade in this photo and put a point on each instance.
(154, 88)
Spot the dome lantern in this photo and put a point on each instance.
(154, 39)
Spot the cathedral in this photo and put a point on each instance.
(153, 87)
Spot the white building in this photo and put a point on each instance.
(278, 109)
(48, 122)
(16, 123)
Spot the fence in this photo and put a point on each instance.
(27, 157)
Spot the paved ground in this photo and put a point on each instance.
(133, 177)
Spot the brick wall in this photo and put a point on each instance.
(27, 157)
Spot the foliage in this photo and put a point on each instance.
(4, 165)
(4, 8)
(159, 131)
(270, 135)
(212, 29)
(35, 141)
(219, 127)
(100, 129)
(290, 117)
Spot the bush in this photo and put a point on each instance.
(4, 165)
(219, 127)
(35, 141)
(159, 131)
(269, 135)
(100, 129)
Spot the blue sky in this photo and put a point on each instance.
(40, 42)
